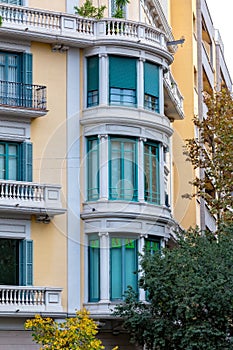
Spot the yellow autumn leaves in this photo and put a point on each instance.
(77, 333)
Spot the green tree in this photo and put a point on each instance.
(74, 333)
(120, 7)
(190, 289)
(90, 11)
(213, 152)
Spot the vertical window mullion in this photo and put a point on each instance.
(122, 195)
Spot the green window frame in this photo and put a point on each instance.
(151, 86)
(152, 245)
(13, 2)
(92, 81)
(122, 81)
(152, 173)
(15, 69)
(16, 161)
(123, 184)
(92, 169)
(123, 266)
(9, 161)
(16, 263)
(94, 268)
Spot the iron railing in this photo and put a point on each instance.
(22, 95)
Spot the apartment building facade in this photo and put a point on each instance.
(199, 66)
(87, 109)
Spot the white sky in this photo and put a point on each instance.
(222, 16)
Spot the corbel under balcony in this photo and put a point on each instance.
(21, 197)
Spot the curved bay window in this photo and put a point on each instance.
(122, 169)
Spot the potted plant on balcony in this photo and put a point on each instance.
(90, 11)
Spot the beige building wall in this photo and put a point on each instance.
(53, 5)
(48, 135)
(182, 15)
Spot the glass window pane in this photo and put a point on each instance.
(12, 150)
(123, 169)
(151, 171)
(12, 169)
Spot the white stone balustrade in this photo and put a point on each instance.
(30, 197)
(30, 299)
(42, 23)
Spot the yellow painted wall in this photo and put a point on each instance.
(53, 5)
(48, 135)
(181, 16)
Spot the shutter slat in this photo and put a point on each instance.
(92, 73)
(122, 72)
(151, 79)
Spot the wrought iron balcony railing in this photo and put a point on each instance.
(22, 95)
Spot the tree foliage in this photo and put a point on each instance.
(190, 289)
(120, 8)
(213, 152)
(90, 11)
(74, 333)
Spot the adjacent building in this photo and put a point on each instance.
(93, 116)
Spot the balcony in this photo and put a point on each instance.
(22, 99)
(173, 100)
(30, 198)
(17, 299)
(42, 25)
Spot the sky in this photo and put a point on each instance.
(221, 12)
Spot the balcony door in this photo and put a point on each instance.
(9, 79)
(9, 257)
(16, 79)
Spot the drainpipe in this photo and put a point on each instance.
(200, 97)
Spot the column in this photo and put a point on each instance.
(103, 166)
(140, 84)
(161, 94)
(141, 175)
(161, 175)
(104, 267)
(103, 79)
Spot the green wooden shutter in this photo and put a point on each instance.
(26, 262)
(27, 94)
(122, 71)
(92, 73)
(116, 268)
(130, 263)
(151, 79)
(29, 263)
(26, 161)
(94, 269)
